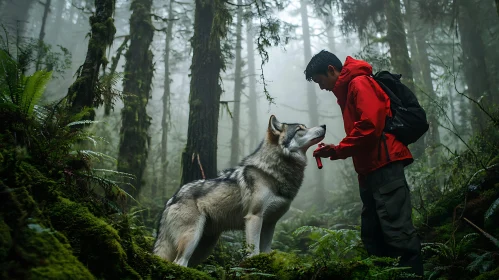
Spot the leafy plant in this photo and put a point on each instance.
(331, 244)
(18, 92)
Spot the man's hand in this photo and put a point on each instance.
(324, 151)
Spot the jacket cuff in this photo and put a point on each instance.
(334, 153)
(338, 153)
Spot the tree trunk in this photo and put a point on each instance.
(411, 37)
(252, 99)
(422, 74)
(165, 119)
(15, 15)
(497, 7)
(452, 110)
(199, 158)
(82, 92)
(56, 27)
(238, 84)
(434, 135)
(41, 37)
(475, 70)
(134, 138)
(396, 37)
(399, 55)
(311, 96)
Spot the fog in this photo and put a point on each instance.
(67, 25)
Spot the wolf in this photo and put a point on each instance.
(252, 197)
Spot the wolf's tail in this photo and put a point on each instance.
(163, 245)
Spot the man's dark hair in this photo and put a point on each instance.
(319, 63)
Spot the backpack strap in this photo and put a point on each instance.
(383, 139)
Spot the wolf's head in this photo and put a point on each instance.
(293, 138)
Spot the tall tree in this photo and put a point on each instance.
(396, 38)
(311, 96)
(57, 25)
(399, 54)
(418, 31)
(165, 119)
(474, 65)
(134, 138)
(199, 158)
(238, 86)
(82, 93)
(252, 96)
(41, 37)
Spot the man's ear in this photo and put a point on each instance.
(275, 127)
(331, 69)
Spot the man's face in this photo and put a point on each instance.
(327, 81)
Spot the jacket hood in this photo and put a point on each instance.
(351, 69)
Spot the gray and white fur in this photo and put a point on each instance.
(253, 196)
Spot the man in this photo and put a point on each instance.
(379, 158)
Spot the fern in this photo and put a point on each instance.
(481, 263)
(122, 174)
(328, 243)
(81, 122)
(18, 92)
(34, 86)
(95, 155)
(109, 186)
(493, 209)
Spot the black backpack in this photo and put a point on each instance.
(408, 122)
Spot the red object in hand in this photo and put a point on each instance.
(318, 159)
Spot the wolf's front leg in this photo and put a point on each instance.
(266, 236)
(253, 224)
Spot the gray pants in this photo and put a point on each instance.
(386, 220)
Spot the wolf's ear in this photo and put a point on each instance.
(275, 127)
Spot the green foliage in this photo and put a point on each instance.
(56, 215)
(332, 244)
(19, 92)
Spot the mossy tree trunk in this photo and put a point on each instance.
(134, 137)
(199, 158)
(474, 65)
(399, 55)
(238, 86)
(252, 96)
(165, 119)
(311, 96)
(82, 92)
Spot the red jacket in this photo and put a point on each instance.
(364, 106)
